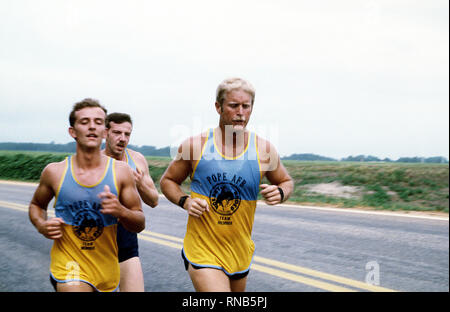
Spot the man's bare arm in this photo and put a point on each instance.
(144, 183)
(37, 211)
(175, 174)
(276, 173)
(178, 170)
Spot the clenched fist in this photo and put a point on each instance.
(110, 203)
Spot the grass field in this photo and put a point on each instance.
(392, 186)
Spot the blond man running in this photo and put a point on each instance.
(226, 166)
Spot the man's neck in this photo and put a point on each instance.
(231, 141)
(88, 158)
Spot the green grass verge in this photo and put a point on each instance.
(392, 186)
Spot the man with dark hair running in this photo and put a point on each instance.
(119, 127)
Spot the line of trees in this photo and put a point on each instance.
(369, 158)
(165, 152)
(70, 148)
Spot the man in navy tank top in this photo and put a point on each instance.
(119, 127)
(93, 193)
(226, 166)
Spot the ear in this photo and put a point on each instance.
(72, 133)
(219, 108)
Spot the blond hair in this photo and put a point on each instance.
(231, 84)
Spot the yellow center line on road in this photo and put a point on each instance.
(160, 241)
(168, 237)
(260, 265)
(14, 206)
(294, 268)
(300, 279)
(322, 275)
(289, 276)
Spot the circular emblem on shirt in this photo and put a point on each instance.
(88, 225)
(225, 198)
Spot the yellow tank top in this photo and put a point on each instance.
(221, 238)
(87, 251)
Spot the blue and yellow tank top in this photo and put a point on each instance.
(130, 160)
(88, 249)
(221, 238)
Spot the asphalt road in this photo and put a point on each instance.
(297, 249)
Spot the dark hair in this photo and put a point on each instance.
(83, 104)
(117, 118)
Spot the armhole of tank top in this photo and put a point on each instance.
(201, 155)
(61, 181)
(132, 159)
(257, 156)
(126, 155)
(114, 176)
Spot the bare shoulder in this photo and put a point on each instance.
(268, 154)
(124, 172)
(122, 168)
(56, 166)
(265, 147)
(135, 154)
(138, 157)
(124, 175)
(49, 182)
(191, 148)
(52, 173)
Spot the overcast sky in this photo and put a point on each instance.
(334, 78)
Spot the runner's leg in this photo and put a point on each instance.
(239, 284)
(131, 276)
(209, 279)
(74, 287)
